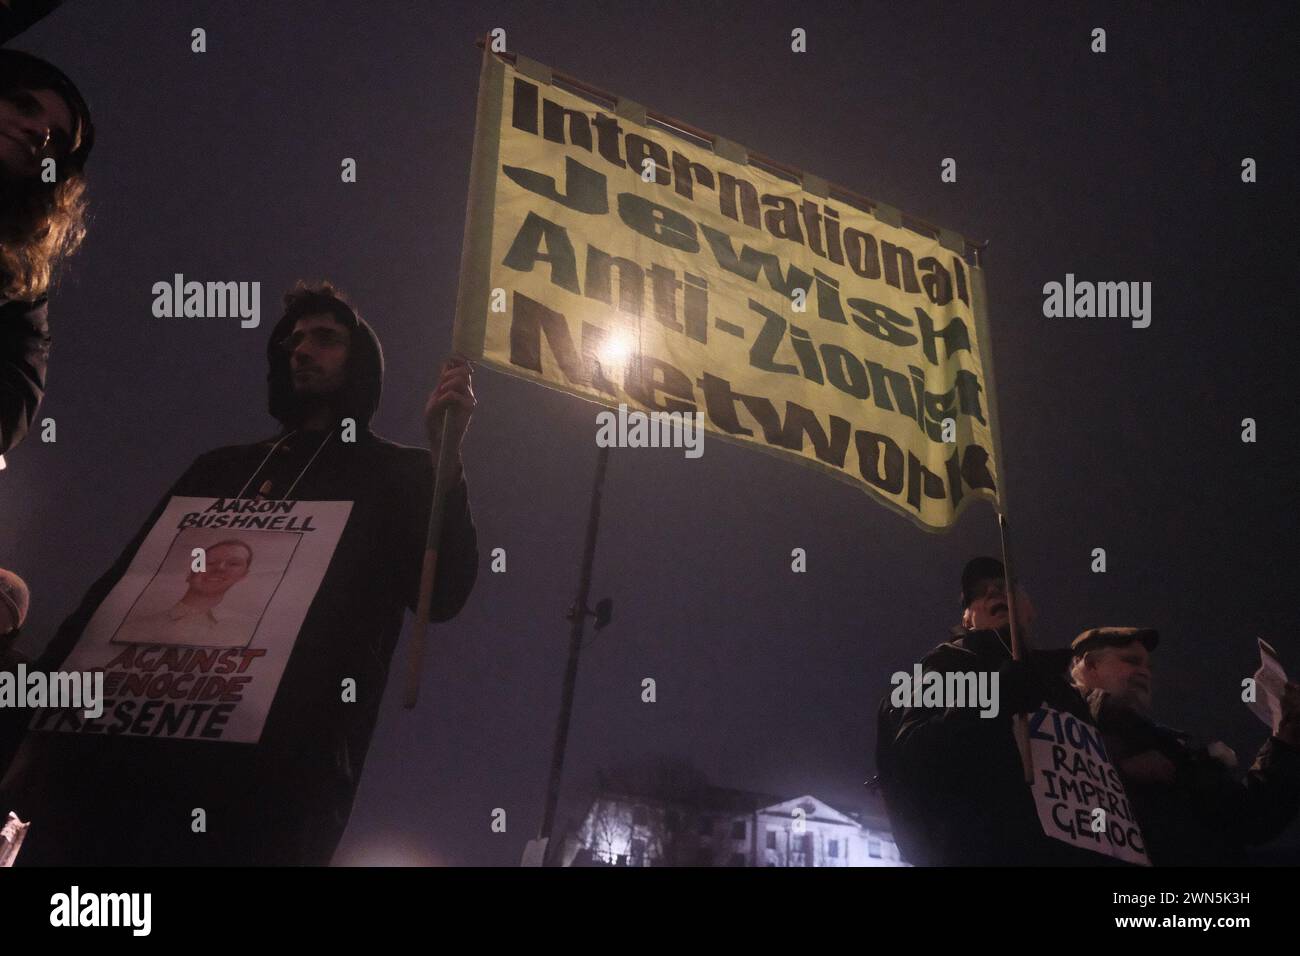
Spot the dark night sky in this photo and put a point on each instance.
(1122, 166)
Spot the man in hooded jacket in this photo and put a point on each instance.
(114, 799)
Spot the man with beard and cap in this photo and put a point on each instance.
(43, 118)
(112, 798)
(1193, 808)
(953, 780)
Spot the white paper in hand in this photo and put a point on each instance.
(1270, 683)
(11, 839)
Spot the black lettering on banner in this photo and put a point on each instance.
(665, 284)
(936, 281)
(803, 348)
(885, 381)
(763, 351)
(829, 306)
(860, 247)
(919, 479)
(526, 250)
(750, 261)
(696, 307)
(684, 171)
(631, 281)
(960, 273)
(975, 468)
(584, 189)
(731, 190)
(804, 221)
(530, 321)
(953, 470)
(650, 375)
(665, 226)
(720, 401)
(812, 221)
(524, 113)
(800, 421)
(834, 247)
(954, 336)
(968, 395)
(783, 219)
(553, 117)
(937, 408)
(539, 335)
(882, 322)
(844, 371)
(607, 134)
(639, 149)
(896, 259)
(880, 461)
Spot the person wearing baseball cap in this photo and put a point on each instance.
(952, 779)
(1194, 808)
(984, 602)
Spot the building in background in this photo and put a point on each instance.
(715, 826)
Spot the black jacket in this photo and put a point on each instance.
(24, 353)
(18, 15)
(1203, 814)
(952, 780)
(101, 799)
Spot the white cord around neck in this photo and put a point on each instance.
(264, 461)
(289, 493)
(310, 461)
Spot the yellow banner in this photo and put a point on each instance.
(623, 263)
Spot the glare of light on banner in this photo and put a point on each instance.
(615, 353)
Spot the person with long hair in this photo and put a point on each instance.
(45, 137)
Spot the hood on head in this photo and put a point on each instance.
(358, 399)
(19, 70)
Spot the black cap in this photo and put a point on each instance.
(1097, 637)
(979, 569)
